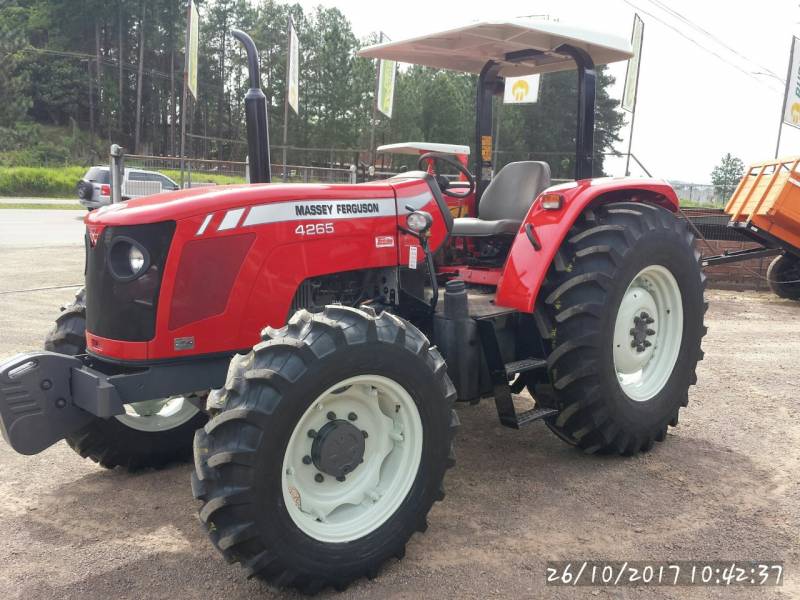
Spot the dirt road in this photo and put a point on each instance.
(724, 485)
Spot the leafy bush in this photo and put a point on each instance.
(45, 182)
(60, 182)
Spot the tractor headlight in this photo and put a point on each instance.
(136, 259)
(127, 259)
(419, 221)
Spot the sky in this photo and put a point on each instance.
(698, 97)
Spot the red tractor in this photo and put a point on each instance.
(313, 339)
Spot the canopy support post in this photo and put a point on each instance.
(489, 82)
(584, 136)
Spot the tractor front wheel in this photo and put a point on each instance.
(152, 433)
(330, 448)
(783, 276)
(623, 308)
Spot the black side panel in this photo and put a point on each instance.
(126, 310)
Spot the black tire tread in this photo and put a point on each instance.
(282, 357)
(595, 249)
(107, 441)
(782, 266)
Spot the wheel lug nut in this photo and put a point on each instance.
(312, 433)
(306, 460)
(365, 434)
(340, 479)
(331, 416)
(319, 478)
(352, 416)
(650, 332)
(632, 331)
(634, 344)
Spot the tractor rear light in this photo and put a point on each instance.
(105, 190)
(552, 201)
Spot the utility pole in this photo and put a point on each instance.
(91, 97)
(139, 86)
(375, 106)
(285, 173)
(785, 97)
(98, 72)
(121, 74)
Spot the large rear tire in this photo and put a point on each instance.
(783, 276)
(623, 310)
(150, 434)
(331, 447)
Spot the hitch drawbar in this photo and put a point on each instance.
(41, 396)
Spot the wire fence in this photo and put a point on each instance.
(336, 168)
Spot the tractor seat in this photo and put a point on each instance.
(506, 200)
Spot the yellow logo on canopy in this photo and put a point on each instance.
(520, 90)
(796, 113)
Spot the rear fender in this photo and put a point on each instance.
(526, 267)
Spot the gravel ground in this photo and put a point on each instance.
(723, 486)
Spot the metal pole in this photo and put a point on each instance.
(286, 97)
(117, 173)
(497, 132)
(375, 106)
(635, 99)
(785, 96)
(91, 98)
(630, 142)
(184, 100)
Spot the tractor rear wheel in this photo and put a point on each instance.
(623, 307)
(783, 276)
(331, 447)
(150, 434)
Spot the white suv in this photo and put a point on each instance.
(94, 190)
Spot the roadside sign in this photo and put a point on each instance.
(293, 70)
(521, 90)
(386, 77)
(632, 74)
(192, 39)
(791, 99)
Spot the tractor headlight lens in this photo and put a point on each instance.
(136, 259)
(127, 259)
(419, 221)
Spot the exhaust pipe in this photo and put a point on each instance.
(255, 104)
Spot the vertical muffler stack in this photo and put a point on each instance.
(456, 335)
(255, 103)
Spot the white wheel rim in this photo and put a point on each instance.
(648, 333)
(341, 511)
(158, 415)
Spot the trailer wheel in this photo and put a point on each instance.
(783, 276)
(624, 305)
(151, 433)
(330, 448)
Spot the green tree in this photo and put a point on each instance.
(726, 175)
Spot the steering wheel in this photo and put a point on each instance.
(441, 180)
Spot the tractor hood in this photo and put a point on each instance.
(175, 206)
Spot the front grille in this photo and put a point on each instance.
(126, 310)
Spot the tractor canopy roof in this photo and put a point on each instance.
(469, 48)
(421, 147)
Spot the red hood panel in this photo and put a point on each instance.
(200, 201)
